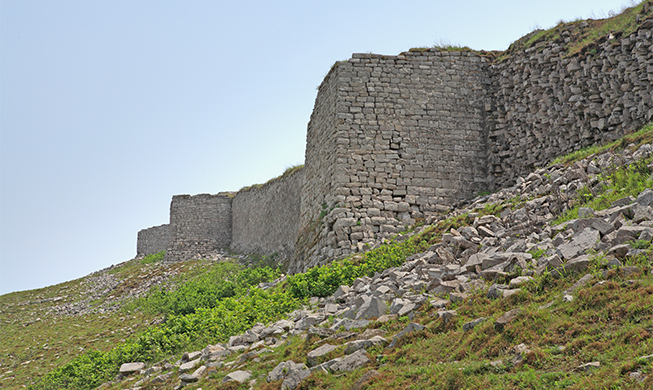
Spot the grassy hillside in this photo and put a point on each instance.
(35, 339)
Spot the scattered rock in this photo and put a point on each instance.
(129, 368)
(351, 362)
(238, 376)
(506, 318)
(412, 327)
(468, 326)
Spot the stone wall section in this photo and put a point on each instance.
(547, 105)
(320, 167)
(200, 226)
(394, 139)
(265, 219)
(152, 240)
(409, 138)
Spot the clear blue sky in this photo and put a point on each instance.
(109, 108)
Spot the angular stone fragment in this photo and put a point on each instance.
(581, 241)
(475, 260)
(457, 297)
(412, 327)
(496, 291)
(291, 373)
(128, 368)
(294, 377)
(440, 303)
(589, 366)
(446, 315)
(349, 324)
(576, 265)
(645, 197)
(188, 378)
(342, 290)
(372, 308)
(238, 376)
(188, 366)
(351, 362)
(511, 291)
(579, 284)
(313, 357)
(468, 326)
(519, 281)
(386, 317)
(355, 345)
(604, 227)
(549, 263)
(505, 319)
(521, 351)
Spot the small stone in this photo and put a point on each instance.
(468, 326)
(589, 366)
(313, 357)
(386, 317)
(412, 327)
(505, 319)
(189, 365)
(351, 362)
(128, 368)
(519, 280)
(521, 351)
(446, 315)
(188, 378)
(238, 376)
(439, 303)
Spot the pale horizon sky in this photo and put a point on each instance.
(109, 108)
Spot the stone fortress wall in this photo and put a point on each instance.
(265, 219)
(393, 139)
(200, 225)
(546, 105)
(153, 240)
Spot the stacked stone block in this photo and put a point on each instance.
(391, 140)
(265, 219)
(153, 240)
(547, 104)
(200, 226)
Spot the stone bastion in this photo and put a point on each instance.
(394, 139)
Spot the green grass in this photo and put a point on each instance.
(35, 340)
(623, 182)
(153, 258)
(583, 41)
(288, 172)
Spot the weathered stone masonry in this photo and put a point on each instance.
(390, 140)
(393, 139)
(153, 240)
(266, 217)
(546, 105)
(199, 225)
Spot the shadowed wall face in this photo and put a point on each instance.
(266, 217)
(392, 140)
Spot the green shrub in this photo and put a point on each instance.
(153, 258)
